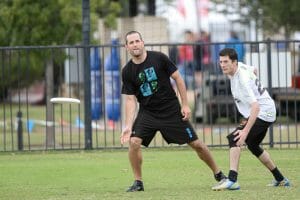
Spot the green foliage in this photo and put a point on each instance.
(45, 22)
(20, 66)
(270, 15)
(275, 14)
(31, 22)
(108, 10)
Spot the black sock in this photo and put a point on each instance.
(232, 175)
(219, 176)
(138, 182)
(277, 175)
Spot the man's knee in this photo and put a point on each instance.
(231, 136)
(255, 149)
(197, 145)
(135, 142)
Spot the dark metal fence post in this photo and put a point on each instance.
(269, 67)
(87, 73)
(299, 59)
(20, 131)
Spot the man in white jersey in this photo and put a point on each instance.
(258, 108)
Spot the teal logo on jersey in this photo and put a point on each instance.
(142, 77)
(149, 82)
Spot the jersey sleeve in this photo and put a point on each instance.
(127, 84)
(252, 69)
(246, 89)
(170, 67)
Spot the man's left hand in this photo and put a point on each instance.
(240, 137)
(186, 113)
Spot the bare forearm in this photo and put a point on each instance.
(253, 116)
(130, 111)
(182, 90)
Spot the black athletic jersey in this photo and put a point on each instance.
(150, 82)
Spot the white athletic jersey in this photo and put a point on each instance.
(246, 89)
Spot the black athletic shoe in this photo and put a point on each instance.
(137, 186)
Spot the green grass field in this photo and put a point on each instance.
(173, 173)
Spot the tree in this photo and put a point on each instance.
(108, 10)
(31, 22)
(269, 15)
(276, 14)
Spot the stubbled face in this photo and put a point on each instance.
(134, 45)
(227, 65)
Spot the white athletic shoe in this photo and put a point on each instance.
(226, 184)
(284, 183)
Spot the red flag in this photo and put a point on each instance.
(203, 6)
(181, 7)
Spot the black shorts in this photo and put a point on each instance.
(173, 129)
(256, 134)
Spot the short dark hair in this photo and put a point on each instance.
(229, 52)
(132, 32)
(187, 31)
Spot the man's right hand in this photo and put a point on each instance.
(125, 135)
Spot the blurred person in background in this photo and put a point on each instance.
(202, 56)
(235, 42)
(186, 58)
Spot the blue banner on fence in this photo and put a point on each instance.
(96, 91)
(112, 83)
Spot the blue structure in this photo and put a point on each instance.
(112, 83)
(235, 43)
(96, 89)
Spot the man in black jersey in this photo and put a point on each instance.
(146, 80)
